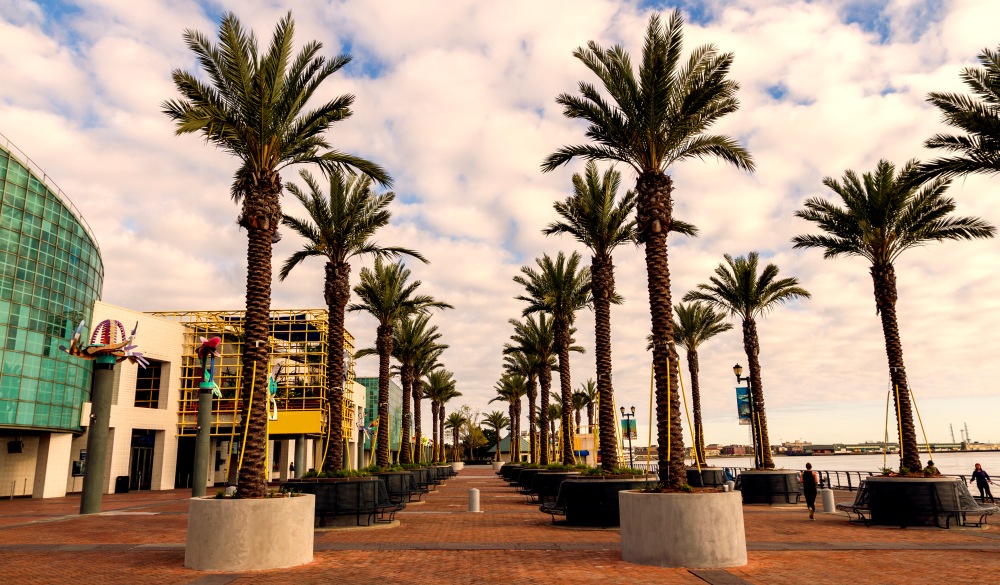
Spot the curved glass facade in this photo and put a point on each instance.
(50, 275)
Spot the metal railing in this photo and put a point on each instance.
(23, 159)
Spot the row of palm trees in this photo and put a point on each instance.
(660, 115)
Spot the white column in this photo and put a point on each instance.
(283, 457)
(52, 465)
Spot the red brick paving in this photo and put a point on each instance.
(31, 532)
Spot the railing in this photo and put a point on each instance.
(26, 161)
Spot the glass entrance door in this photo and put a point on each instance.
(141, 462)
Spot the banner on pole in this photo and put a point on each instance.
(743, 404)
(628, 429)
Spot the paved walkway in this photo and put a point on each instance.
(139, 538)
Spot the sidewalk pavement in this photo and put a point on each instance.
(139, 538)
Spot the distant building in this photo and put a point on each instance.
(395, 410)
(735, 450)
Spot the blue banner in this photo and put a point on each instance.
(628, 429)
(743, 404)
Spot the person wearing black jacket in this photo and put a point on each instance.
(983, 482)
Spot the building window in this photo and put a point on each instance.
(147, 386)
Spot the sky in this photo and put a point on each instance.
(456, 99)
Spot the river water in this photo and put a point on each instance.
(949, 463)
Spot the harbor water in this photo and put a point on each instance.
(948, 462)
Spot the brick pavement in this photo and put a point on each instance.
(139, 539)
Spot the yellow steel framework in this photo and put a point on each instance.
(298, 340)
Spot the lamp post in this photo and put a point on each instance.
(757, 455)
(628, 429)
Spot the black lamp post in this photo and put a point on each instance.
(628, 429)
(757, 455)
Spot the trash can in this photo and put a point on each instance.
(121, 484)
(829, 507)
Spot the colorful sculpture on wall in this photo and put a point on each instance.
(107, 341)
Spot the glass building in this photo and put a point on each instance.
(50, 275)
(395, 409)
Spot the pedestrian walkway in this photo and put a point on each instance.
(139, 538)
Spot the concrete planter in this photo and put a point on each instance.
(697, 531)
(770, 486)
(497, 465)
(457, 466)
(249, 535)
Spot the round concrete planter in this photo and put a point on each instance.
(497, 465)
(227, 534)
(697, 531)
(457, 466)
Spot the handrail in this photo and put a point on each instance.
(24, 160)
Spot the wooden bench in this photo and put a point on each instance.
(859, 509)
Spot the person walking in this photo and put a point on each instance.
(983, 482)
(809, 481)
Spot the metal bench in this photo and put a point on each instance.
(967, 505)
(361, 498)
(859, 511)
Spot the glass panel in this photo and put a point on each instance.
(7, 410)
(9, 387)
(25, 413)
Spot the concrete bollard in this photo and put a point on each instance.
(474, 500)
(732, 485)
(829, 506)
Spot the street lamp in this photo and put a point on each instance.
(628, 429)
(757, 455)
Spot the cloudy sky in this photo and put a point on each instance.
(457, 100)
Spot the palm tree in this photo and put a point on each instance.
(740, 291)
(589, 389)
(594, 218)
(437, 385)
(579, 401)
(425, 363)
(253, 107)
(516, 361)
(978, 151)
(654, 119)
(339, 227)
(412, 339)
(884, 215)
(448, 393)
(559, 288)
(385, 294)
(555, 414)
(536, 338)
(455, 422)
(510, 389)
(497, 420)
(696, 323)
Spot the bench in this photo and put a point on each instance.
(860, 509)
(545, 486)
(592, 502)
(401, 485)
(358, 497)
(966, 505)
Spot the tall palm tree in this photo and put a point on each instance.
(510, 389)
(579, 401)
(516, 361)
(536, 338)
(497, 420)
(882, 216)
(595, 218)
(978, 115)
(385, 294)
(253, 107)
(340, 226)
(560, 288)
(448, 393)
(694, 324)
(555, 414)
(654, 119)
(425, 363)
(437, 385)
(455, 422)
(738, 289)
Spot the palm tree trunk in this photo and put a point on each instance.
(517, 425)
(263, 206)
(603, 284)
(561, 330)
(383, 343)
(532, 431)
(406, 379)
(590, 417)
(443, 451)
(699, 440)
(337, 291)
(545, 382)
(418, 392)
(884, 279)
(751, 345)
(434, 431)
(653, 217)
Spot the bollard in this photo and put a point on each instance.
(829, 506)
(474, 500)
(732, 485)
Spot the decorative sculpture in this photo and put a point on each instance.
(109, 340)
(207, 354)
